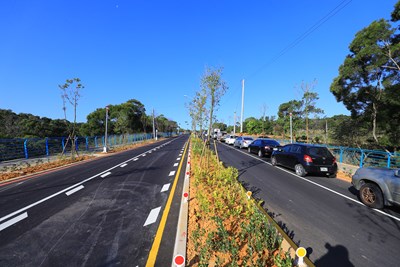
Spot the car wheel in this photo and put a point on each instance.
(273, 161)
(248, 150)
(371, 196)
(260, 154)
(332, 175)
(300, 171)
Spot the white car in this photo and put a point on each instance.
(243, 141)
(230, 139)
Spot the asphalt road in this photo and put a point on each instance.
(104, 212)
(321, 214)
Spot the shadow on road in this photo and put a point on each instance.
(336, 256)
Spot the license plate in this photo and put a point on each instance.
(323, 169)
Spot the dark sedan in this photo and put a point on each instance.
(263, 146)
(305, 158)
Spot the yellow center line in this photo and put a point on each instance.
(157, 240)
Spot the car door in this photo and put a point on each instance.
(292, 156)
(283, 155)
(254, 146)
(394, 186)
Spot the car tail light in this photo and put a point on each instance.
(307, 158)
(334, 161)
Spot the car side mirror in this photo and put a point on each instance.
(397, 173)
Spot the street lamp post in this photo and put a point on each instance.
(105, 136)
(291, 128)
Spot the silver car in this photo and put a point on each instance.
(243, 141)
(378, 186)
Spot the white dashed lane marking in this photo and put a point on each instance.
(123, 165)
(135, 159)
(165, 187)
(171, 173)
(176, 164)
(76, 189)
(152, 218)
(106, 174)
(178, 159)
(13, 221)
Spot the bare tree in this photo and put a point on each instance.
(309, 102)
(215, 87)
(71, 94)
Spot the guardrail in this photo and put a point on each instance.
(26, 148)
(361, 157)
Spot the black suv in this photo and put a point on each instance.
(305, 158)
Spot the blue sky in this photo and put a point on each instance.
(157, 51)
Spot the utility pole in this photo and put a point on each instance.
(241, 115)
(154, 127)
(326, 132)
(234, 123)
(291, 129)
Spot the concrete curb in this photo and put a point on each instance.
(179, 255)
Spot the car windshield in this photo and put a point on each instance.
(319, 152)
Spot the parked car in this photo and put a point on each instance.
(243, 141)
(305, 158)
(377, 187)
(230, 139)
(263, 146)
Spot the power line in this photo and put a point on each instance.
(313, 28)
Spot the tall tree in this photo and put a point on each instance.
(71, 94)
(282, 124)
(368, 71)
(309, 103)
(215, 86)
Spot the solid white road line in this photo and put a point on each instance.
(106, 174)
(165, 187)
(76, 189)
(152, 218)
(13, 221)
(171, 173)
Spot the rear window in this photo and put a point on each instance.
(319, 152)
(248, 138)
(271, 142)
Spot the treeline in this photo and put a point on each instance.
(340, 130)
(126, 118)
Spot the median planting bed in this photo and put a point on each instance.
(225, 227)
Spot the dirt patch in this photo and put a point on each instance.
(344, 176)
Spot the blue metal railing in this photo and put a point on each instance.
(362, 157)
(18, 148)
